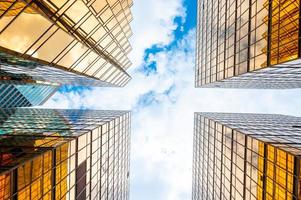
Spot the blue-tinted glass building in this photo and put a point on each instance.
(13, 95)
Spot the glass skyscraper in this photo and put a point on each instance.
(65, 42)
(246, 156)
(12, 95)
(248, 44)
(64, 154)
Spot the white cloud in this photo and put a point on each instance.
(153, 24)
(162, 129)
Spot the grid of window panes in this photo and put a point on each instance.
(87, 37)
(28, 71)
(246, 156)
(235, 38)
(64, 154)
(25, 95)
(46, 74)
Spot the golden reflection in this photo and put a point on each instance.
(4, 186)
(78, 39)
(61, 171)
(14, 8)
(34, 177)
(284, 31)
(279, 173)
(31, 178)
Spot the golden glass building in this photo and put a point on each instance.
(246, 156)
(64, 154)
(77, 42)
(248, 44)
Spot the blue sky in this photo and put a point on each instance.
(163, 99)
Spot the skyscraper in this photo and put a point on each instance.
(25, 95)
(248, 44)
(65, 42)
(64, 154)
(246, 156)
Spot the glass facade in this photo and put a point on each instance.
(64, 154)
(85, 41)
(25, 95)
(246, 156)
(248, 44)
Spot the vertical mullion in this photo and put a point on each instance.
(225, 38)
(214, 139)
(296, 177)
(299, 38)
(53, 176)
(222, 159)
(269, 45)
(249, 35)
(217, 39)
(231, 170)
(245, 166)
(211, 40)
(264, 185)
(235, 38)
(203, 153)
(14, 184)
